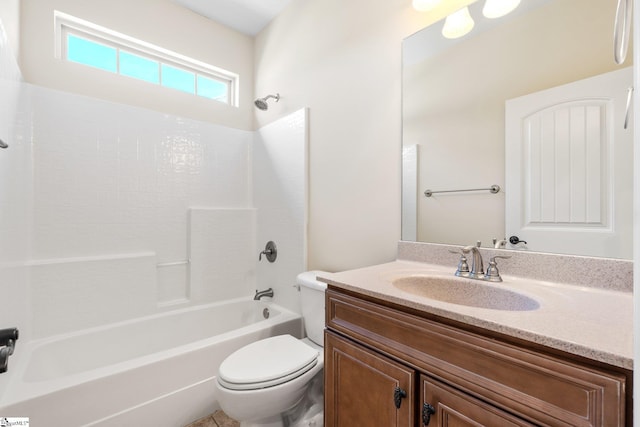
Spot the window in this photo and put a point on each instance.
(84, 43)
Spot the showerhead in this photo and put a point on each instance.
(261, 103)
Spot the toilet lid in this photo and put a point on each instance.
(266, 363)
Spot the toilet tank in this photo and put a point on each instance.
(312, 304)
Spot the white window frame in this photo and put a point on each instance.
(65, 24)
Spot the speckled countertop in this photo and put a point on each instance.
(592, 322)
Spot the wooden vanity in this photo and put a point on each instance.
(389, 364)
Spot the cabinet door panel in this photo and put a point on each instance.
(360, 387)
(456, 409)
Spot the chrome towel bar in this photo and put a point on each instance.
(493, 190)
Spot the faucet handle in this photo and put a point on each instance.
(499, 244)
(463, 266)
(493, 275)
(270, 251)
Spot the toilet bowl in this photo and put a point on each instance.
(261, 380)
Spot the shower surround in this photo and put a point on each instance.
(110, 213)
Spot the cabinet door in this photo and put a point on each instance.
(446, 406)
(365, 389)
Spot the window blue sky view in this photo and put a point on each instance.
(210, 88)
(112, 59)
(91, 53)
(139, 67)
(178, 79)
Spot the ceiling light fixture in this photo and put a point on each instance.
(458, 24)
(497, 8)
(425, 5)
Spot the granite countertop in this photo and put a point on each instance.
(591, 322)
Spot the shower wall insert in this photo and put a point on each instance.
(113, 213)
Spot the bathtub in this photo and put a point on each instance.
(158, 370)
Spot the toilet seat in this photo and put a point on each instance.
(267, 363)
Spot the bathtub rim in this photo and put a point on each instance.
(22, 391)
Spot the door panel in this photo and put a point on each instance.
(569, 168)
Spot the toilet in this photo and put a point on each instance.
(261, 380)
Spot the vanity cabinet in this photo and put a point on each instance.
(451, 374)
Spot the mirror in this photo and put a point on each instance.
(453, 107)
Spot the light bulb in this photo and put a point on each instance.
(498, 8)
(425, 5)
(458, 24)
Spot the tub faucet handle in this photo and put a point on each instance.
(270, 251)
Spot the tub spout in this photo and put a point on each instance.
(265, 293)
(8, 335)
(5, 352)
(8, 339)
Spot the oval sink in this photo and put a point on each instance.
(467, 292)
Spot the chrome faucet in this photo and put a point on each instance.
(265, 293)
(477, 266)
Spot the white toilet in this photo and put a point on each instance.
(260, 381)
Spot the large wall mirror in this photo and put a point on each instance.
(534, 103)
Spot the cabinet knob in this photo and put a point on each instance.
(398, 395)
(427, 411)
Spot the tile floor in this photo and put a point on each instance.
(217, 419)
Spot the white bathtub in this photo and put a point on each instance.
(157, 370)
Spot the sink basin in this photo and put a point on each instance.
(469, 292)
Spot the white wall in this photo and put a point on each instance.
(280, 197)
(113, 211)
(15, 201)
(343, 61)
(160, 22)
(112, 219)
(95, 204)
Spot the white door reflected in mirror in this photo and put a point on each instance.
(569, 160)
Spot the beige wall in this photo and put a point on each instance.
(342, 59)
(160, 22)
